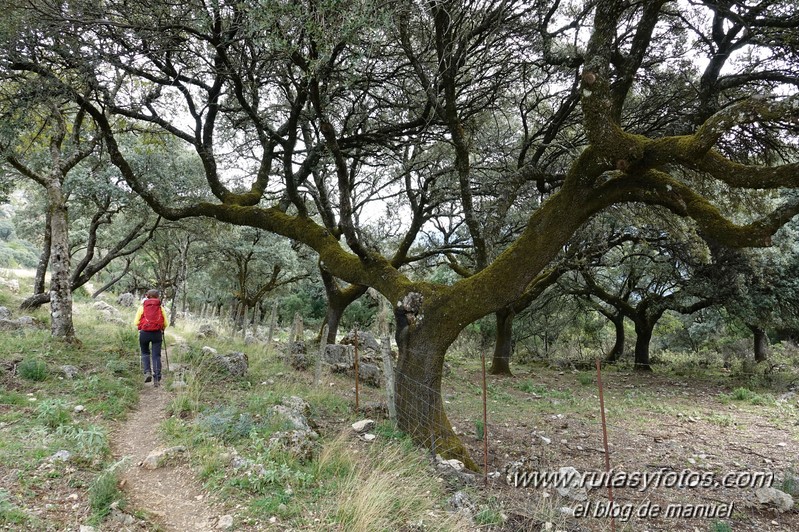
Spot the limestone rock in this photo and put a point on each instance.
(225, 522)
(159, 457)
(575, 489)
(774, 499)
(299, 443)
(364, 425)
(126, 300)
(206, 331)
(70, 372)
(236, 364)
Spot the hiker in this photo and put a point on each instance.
(151, 321)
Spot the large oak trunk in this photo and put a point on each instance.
(760, 343)
(618, 346)
(338, 299)
(503, 347)
(44, 259)
(420, 409)
(643, 337)
(332, 320)
(61, 325)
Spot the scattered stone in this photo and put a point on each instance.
(460, 502)
(236, 364)
(23, 322)
(69, 372)
(206, 331)
(297, 358)
(297, 411)
(575, 489)
(62, 456)
(363, 426)
(11, 284)
(208, 350)
(159, 457)
(79, 408)
(299, 443)
(370, 374)
(109, 312)
(454, 472)
(368, 437)
(772, 499)
(28, 321)
(122, 518)
(225, 522)
(87, 528)
(366, 341)
(374, 408)
(126, 300)
(337, 354)
(519, 470)
(5, 314)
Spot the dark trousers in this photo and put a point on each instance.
(146, 340)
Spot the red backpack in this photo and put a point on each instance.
(151, 319)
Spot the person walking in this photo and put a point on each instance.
(151, 321)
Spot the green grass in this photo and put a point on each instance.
(347, 485)
(103, 492)
(53, 413)
(32, 369)
(11, 515)
(39, 419)
(720, 526)
(790, 483)
(748, 396)
(539, 389)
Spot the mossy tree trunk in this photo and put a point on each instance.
(44, 260)
(338, 299)
(61, 325)
(617, 350)
(760, 343)
(643, 337)
(503, 347)
(420, 408)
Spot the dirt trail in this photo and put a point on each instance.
(171, 495)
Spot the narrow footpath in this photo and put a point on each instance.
(170, 495)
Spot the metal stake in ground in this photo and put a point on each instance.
(605, 441)
(485, 420)
(356, 369)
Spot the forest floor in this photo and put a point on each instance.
(706, 423)
(701, 428)
(657, 424)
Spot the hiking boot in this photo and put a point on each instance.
(157, 383)
(148, 377)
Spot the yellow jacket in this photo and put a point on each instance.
(141, 311)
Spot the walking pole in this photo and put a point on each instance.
(166, 353)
